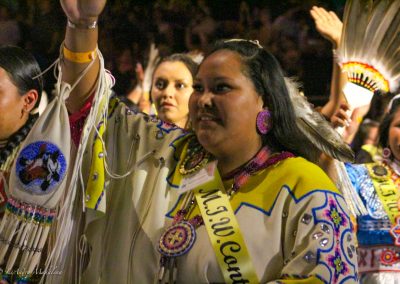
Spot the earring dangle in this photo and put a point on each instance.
(264, 122)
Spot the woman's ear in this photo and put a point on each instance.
(30, 99)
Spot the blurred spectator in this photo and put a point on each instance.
(124, 72)
(174, 26)
(201, 29)
(9, 29)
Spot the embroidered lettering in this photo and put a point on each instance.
(209, 195)
(220, 209)
(230, 260)
(219, 229)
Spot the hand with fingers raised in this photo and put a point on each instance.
(328, 24)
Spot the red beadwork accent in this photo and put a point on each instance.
(261, 161)
(77, 120)
(3, 196)
(388, 257)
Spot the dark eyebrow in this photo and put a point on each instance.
(216, 79)
(221, 78)
(161, 78)
(181, 81)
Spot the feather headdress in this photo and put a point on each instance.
(369, 50)
(317, 132)
(319, 137)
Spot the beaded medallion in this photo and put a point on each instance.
(389, 257)
(41, 167)
(196, 158)
(177, 240)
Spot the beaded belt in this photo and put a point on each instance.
(379, 259)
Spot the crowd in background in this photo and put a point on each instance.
(239, 84)
(128, 28)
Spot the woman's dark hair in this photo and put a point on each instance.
(190, 64)
(385, 124)
(16, 139)
(264, 71)
(22, 68)
(24, 72)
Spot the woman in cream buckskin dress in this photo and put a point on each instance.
(292, 222)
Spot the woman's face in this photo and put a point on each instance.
(394, 135)
(224, 105)
(12, 104)
(171, 89)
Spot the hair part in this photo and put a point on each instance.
(23, 70)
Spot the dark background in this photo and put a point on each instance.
(128, 27)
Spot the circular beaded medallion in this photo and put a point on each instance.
(40, 167)
(380, 171)
(177, 240)
(388, 257)
(194, 162)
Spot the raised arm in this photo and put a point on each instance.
(80, 44)
(330, 27)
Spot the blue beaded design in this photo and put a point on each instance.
(40, 167)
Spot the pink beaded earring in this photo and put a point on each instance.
(264, 122)
(386, 153)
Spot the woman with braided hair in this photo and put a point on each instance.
(20, 91)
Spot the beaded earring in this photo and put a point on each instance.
(386, 153)
(264, 121)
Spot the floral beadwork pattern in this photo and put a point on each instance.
(338, 219)
(341, 268)
(338, 257)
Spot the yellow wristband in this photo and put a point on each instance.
(79, 57)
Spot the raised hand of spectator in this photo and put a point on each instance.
(341, 118)
(139, 72)
(328, 24)
(81, 12)
(136, 94)
(148, 72)
(81, 37)
(330, 27)
(348, 121)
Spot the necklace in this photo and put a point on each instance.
(262, 160)
(196, 157)
(179, 238)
